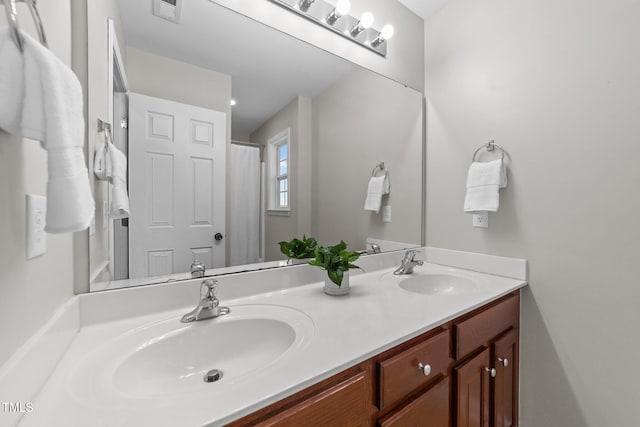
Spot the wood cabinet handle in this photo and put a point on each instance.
(426, 369)
(491, 372)
(505, 361)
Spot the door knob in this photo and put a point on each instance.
(505, 361)
(218, 237)
(491, 372)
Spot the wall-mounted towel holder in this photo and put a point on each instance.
(106, 128)
(12, 18)
(378, 168)
(490, 146)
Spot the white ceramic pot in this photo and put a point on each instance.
(331, 288)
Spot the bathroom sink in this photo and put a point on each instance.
(168, 357)
(438, 284)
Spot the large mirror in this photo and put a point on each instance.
(239, 137)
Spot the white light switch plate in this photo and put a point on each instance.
(386, 213)
(481, 220)
(36, 237)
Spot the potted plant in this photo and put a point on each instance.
(337, 261)
(298, 249)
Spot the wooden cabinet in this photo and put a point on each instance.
(472, 401)
(471, 381)
(416, 366)
(486, 381)
(429, 409)
(504, 351)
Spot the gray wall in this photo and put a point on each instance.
(362, 120)
(30, 291)
(405, 58)
(296, 116)
(556, 83)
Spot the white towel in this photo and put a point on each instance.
(483, 184)
(117, 174)
(42, 100)
(100, 163)
(378, 187)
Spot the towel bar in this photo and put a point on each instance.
(12, 18)
(378, 167)
(490, 146)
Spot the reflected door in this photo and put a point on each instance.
(176, 186)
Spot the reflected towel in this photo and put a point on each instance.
(483, 184)
(378, 187)
(42, 100)
(117, 174)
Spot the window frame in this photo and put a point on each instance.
(275, 177)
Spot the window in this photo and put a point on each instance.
(279, 183)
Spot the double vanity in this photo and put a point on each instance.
(440, 343)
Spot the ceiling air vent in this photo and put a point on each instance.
(168, 9)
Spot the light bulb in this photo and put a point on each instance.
(387, 32)
(233, 102)
(343, 7)
(366, 20)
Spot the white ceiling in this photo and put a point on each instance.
(268, 68)
(424, 8)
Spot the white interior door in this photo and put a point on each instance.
(177, 156)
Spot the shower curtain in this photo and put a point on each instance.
(245, 205)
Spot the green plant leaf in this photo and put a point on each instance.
(336, 276)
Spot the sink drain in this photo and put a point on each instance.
(213, 376)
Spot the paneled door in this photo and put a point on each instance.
(472, 387)
(176, 185)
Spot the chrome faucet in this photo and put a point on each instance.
(408, 263)
(209, 305)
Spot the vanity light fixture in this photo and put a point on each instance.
(386, 33)
(304, 5)
(366, 21)
(342, 8)
(334, 16)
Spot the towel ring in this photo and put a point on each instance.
(378, 168)
(490, 146)
(12, 18)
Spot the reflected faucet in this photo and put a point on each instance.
(375, 248)
(408, 263)
(209, 305)
(197, 269)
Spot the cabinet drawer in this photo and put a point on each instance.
(479, 329)
(343, 404)
(399, 374)
(430, 409)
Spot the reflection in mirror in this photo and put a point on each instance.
(239, 137)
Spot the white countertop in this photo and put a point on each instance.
(374, 317)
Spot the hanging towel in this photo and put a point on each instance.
(100, 163)
(378, 187)
(483, 184)
(42, 100)
(117, 174)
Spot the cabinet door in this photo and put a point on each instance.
(472, 391)
(343, 404)
(505, 359)
(430, 409)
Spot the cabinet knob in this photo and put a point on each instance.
(491, 372)
(505, 361)
(426, 369)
